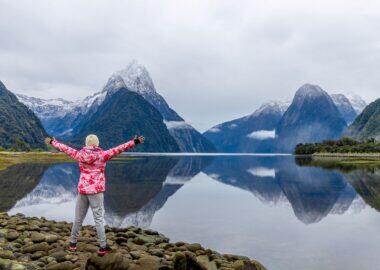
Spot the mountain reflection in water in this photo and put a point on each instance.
(286, 214)
(139, 188)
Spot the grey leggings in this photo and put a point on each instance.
(95, 201)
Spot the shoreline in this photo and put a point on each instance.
(36, 243)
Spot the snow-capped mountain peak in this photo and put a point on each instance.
(310, 90)
(114, 83)
(136, 78)
(47, 108)
(271, 107)
(357, 102)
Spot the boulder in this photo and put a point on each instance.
(179, 261)
(12, 265)
(87, 247)
(59, 256)
(112, 261)
(51, 238)
(6, 254)
(35, 247)
(38, 254)
(204, 263)
(12, 235)
(247, 265)
(37, 237)
(193, 247)
(61, 266)
(148, 262)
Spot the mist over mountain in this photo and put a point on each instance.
(19, 126)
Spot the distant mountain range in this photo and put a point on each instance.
(252, 133)
(19, 127)
(313, 115)
(129, 104)
(71, 120)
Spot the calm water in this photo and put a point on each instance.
(269, 208)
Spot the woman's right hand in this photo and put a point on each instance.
(49, 140)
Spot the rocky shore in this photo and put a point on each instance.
(37, 243)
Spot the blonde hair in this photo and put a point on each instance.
(92, 140)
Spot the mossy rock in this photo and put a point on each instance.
(112, 261)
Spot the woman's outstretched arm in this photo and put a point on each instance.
(62, 147)
(123, 147)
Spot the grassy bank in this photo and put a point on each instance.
(365, 159)
(10, 158)
(346, 163)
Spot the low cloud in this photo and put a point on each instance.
(176, 124)
(262, 134)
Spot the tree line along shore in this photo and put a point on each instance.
(344, 147)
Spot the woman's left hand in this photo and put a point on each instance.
(139, 139)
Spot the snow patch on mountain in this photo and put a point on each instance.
(340, 100)
(357, 102)
(262, 134)
(137, 78)
(310, 90)
(271, 107)
(214, 129)
(48, 108)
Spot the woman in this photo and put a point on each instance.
(92, 162)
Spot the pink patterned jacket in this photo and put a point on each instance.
(92, 163)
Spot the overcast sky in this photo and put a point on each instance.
(211, 60)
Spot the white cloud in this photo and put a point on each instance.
(176, 124)
(262, 172)
(214, 130)
(262, 134)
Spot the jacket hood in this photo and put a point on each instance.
(90, 154)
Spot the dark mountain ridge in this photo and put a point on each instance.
(367, 124)
(19, 127)
(121, 116)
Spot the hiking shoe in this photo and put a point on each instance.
(73, 246)
(104, 250)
